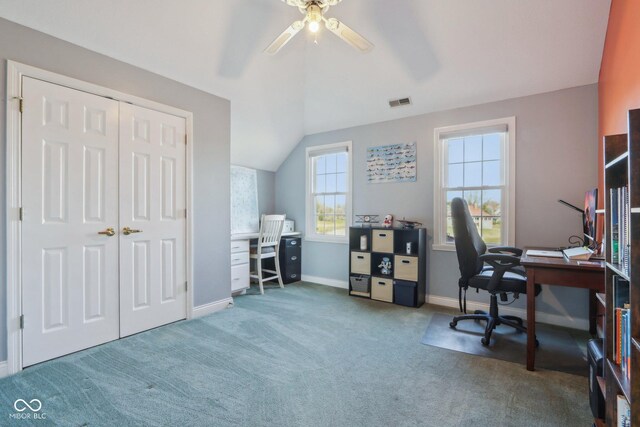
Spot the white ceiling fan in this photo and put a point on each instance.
(314, 11)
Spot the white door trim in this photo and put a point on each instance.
(15, 72)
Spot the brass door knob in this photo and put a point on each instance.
(126, 231)
(108, 232)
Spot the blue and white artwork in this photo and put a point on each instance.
(391, 163)
(244, 200)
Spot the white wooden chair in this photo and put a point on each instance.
(268, 247)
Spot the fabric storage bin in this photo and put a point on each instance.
(382, 289)
(360, 284)
(382, 241)
(360, 262)
(405, 293)
(406, 268)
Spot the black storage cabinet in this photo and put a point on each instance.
(595, 356)
(290, 259)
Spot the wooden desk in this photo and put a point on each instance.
(559, 272)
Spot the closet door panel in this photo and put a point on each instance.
(153, 206)
(69, 195)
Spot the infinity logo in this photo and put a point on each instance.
(21, 405)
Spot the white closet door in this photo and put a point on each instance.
(69, 195)
(153, 205)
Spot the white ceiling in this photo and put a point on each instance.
(442, 53)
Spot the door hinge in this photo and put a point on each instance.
(20, 213)
(185, 139)
(186, 286)
(21, 104)
(22, 321)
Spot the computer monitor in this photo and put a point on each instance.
(589, 217)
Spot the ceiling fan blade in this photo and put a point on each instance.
(348, 35)
(284, 38)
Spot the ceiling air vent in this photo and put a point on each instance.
(399, 102)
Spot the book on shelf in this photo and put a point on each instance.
(624, 411)
(620, 231)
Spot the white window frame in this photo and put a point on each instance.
(509, 159)
(310, 231)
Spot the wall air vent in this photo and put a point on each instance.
(399, 102)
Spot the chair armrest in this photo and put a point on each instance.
(501, 263)
(505, 250)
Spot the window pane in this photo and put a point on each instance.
(492, 146)
(341, 183)
(491, 202)
(320, 184)
(473, 174)
(449, 237)
(320, 164)
(492, 230)
(456, 175)
(342, 162)
(491, 216)
(329, 225)
(341, 205)
(331, 183)
(473, 148)
(455, 150)
(329, 204)
(320, 224)
(331, 163)
(450, 196)
(341, 225)
(319, 205)
(491, 173)
(474, 200)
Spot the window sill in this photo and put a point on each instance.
(444, 248)
(322, 239)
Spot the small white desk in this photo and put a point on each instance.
(240, 258)
(249, 236)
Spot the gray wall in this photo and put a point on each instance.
(211, 136)
(266, 192)
(556, 159)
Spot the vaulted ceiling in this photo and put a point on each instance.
(442, 53)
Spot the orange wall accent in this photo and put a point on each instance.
(619, 82)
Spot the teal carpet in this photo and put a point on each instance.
(306, 355)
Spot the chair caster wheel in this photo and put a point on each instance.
(452, 325)
(484, 341)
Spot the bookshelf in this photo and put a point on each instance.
(404, 283)
(622, 164)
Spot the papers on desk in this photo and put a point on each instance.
(548, 254)
(579, 253)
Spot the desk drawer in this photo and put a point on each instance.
(406, 268)
(382, 289)
(239, 277)
(239, 258)
(360, 262)
(239, 246)
(290, 257)
(382, 241)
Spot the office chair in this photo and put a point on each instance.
(268, 247)
(501, 276)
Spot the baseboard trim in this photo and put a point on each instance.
(212, 307)
(4, 369)
(342, 284)
(552, 319)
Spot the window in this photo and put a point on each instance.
(328, 211)
(476, 162)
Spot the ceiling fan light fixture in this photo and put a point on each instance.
(314, 17)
